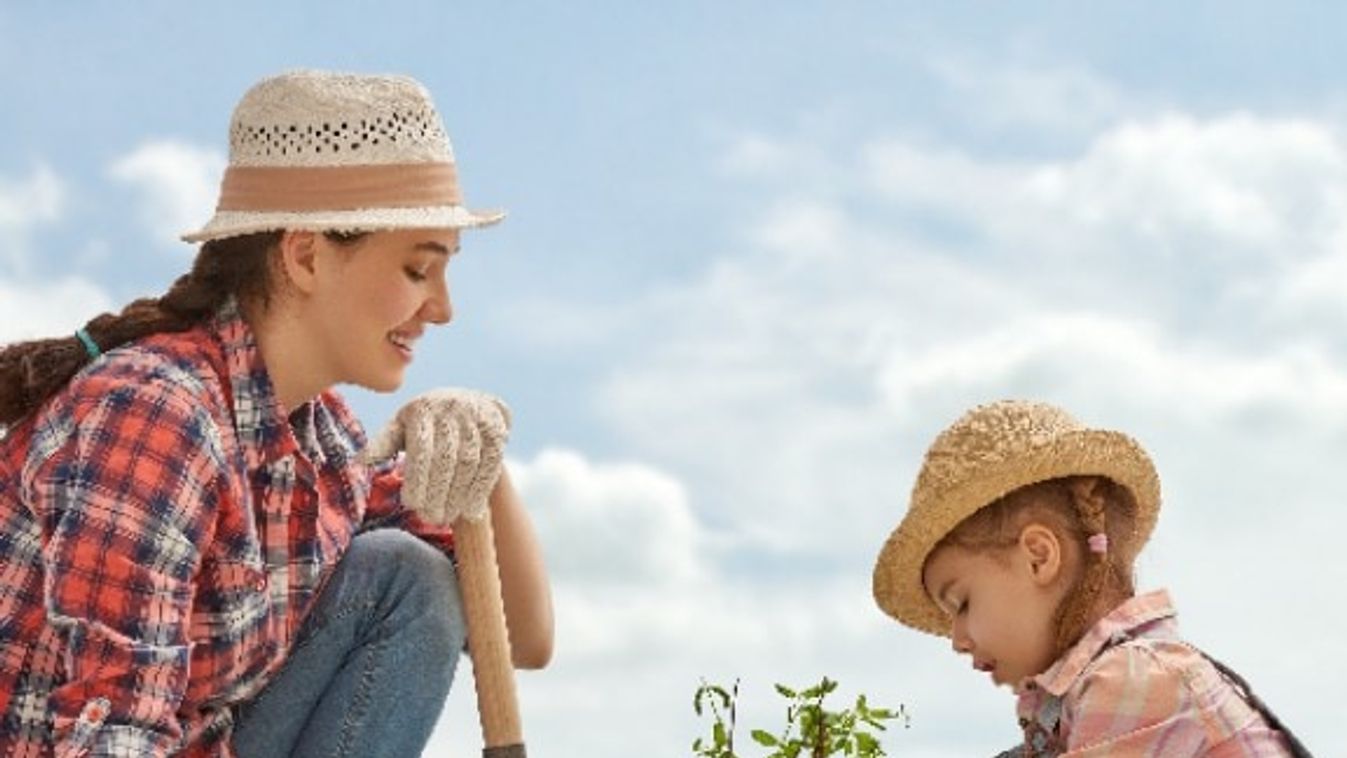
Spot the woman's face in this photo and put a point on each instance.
(376, 298)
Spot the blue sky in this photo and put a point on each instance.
(758, 255)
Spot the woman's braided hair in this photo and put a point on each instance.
(1075, 508)
(33, 371)
(241, 267)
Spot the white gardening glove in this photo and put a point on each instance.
(455, 443)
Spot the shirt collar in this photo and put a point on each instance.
(1151, 614)
(259, 417)
(326, 431)
(323, 430)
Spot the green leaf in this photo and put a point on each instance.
(810, 730)
(705, 693)
(764, 738)
(821, 689)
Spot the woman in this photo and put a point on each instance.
(195, 558)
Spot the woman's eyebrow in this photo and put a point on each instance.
(435, 247)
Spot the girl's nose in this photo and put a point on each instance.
(959, 638)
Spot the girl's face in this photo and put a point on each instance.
(378, 297)
(1001, 606)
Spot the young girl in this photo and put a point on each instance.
(195, 558)
(1018, 544)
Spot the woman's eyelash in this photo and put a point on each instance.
(414, 275)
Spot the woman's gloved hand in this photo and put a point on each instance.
(455, 444)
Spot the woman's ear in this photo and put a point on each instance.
(1041, 550)
(299, 259)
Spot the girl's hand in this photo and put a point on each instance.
(455, 444)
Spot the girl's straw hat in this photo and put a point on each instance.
(989, 452)
(338, 152)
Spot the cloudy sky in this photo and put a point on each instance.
(758, 255)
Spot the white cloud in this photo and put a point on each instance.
(634, 566)
(648, 603)
(24, 204)
(834, 332)
(756, 154)
(1147, 283)
(1058, 99)
(33, 309)
(1312, 295)
(1169, 279)
(36, 199)
(1237, 179)
(1230, 228)
(1125, 360)
(30, 311)
(178, 182)
(622, 524)
(1231, 190)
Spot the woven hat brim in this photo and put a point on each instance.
(897, 582)
(236, 223)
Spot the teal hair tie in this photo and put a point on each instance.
(90, 346)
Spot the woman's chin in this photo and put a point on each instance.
(381, 384)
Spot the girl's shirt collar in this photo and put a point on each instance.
(1039, 704)
(1151, 613)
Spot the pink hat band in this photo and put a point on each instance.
(322, 188)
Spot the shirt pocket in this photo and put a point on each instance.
(233, 638)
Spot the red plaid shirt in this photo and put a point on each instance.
(164, 528)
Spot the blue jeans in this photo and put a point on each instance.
(372, 664)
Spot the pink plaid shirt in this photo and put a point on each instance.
(165, 526)
(1132, 688)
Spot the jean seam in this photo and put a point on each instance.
(330, 618)
(360, 700)
(241, 709)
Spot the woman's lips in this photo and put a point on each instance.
(403, 343)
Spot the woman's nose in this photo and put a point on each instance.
(439, 309)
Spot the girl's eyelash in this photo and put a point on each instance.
(415, 275)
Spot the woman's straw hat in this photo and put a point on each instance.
(338, 152)
(988, 453)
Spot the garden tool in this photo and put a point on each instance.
(488, 641)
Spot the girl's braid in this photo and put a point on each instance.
(1077, 608)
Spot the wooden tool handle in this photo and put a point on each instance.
(488, 640)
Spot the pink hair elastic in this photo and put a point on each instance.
(1098, 543)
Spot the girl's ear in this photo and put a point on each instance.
(299, 259)
(1041, 550)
